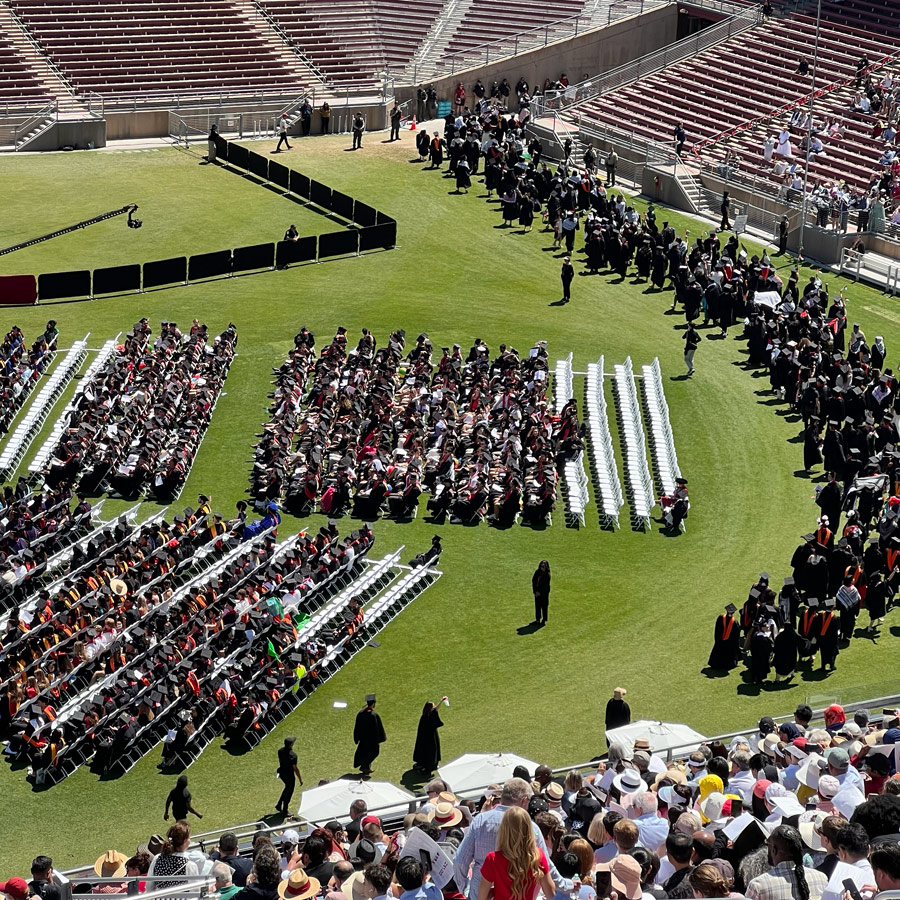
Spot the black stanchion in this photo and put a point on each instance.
(338, 243)
(291, 252)
(279, 174)
(209, 265)
(342, 205)
(259, 166)
(257, 256)
(299, 184)
(320, 194)
(364, 215)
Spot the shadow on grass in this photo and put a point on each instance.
(530, 628)
(710, 672)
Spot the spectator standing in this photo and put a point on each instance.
(179, 801)
(282, 133)
(612, 160)
(540, 581)
(359, 125)
(288, 773)
(567, 273)
(396, 115)
(680, 136)
(306, 111)
(618, 712)
(518, 866)
(325, 115)
(211, 143)
(691, 342)
(725, 225)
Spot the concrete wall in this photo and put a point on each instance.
(590, 53)
(77, 134)
(664, 187)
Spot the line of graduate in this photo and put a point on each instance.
(370, 428)
(816, 610)
(20, 369)
(139, 422)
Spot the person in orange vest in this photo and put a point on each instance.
(806, 629)
(826, 630)
(727, 641)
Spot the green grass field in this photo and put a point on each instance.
(626, 608)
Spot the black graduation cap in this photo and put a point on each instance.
(812, 602)
(731, 609)
(788, 581)
(754, 593)
(125, 718)
(830, 603)
(809, 537)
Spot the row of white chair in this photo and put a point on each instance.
(574, 477)
(660, 428)
(33, 421)
(607, 486)
(62, 423)
(631, 431)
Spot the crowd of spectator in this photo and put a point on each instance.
(790, 812)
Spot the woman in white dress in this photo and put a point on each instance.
(769, 148)
(784, 144)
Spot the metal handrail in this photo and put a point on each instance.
(48, 60)
(591, 88)
(793, 104)
(50, 111)
(92, 96)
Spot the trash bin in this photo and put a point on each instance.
(443, 109)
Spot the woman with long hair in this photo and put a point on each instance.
(173, 859)
(708, 881)
(517, 868)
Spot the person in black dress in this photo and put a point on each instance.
(540, 587)
(812, 455)
(368, 735)
(179, 800)
(567, 273)
(785, 657)
(427, 752)
(876, 603)
(288, 773)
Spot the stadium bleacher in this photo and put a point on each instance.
(17, 81)
(143, 46)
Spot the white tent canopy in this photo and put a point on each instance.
(767, 298)
(476, 770)
(332, 800)
(663, 736)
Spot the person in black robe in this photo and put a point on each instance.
(540, 587)
(463, 181)
(876, 603)
(826, 631)
(368, 735)
(830, 500)
(785, 658)
(812, 455)
(726, 642)
(760, 653)
(618, 712)
(427, 752)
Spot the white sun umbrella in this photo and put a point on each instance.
(663, 737)
(332, 800)
(477, 770)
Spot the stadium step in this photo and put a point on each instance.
(422, 66)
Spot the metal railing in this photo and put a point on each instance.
(45, 56)
(95, 105)
(627, 74)
(853, 263)
(22, 131)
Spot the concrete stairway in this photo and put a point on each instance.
(421, 68)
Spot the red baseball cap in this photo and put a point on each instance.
(759, 789)
(17, 888)
(369, 820)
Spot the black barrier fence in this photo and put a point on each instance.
(299, 184)
(117, 279)
(165, 271)
(209, 265)
(363, 214)
(342, 205)
(320, 194)
(280, 174)
(299, 251)
(259, 256)
(60, 285)
(338, 243)
(375, 231)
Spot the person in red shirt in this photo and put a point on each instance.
(517, 868)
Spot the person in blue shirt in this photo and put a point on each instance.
(415, 882)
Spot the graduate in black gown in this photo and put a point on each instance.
(761, 646)
(785, 659)
(812, 455)
(368, 735)
(826, 630)
(876, 603)
(727, 641)
(427, 752)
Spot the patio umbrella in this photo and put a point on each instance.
(332, 800)
(476, 770)
(663, 736)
